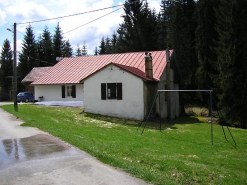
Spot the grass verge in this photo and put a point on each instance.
(180, 154)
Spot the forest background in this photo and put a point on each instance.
(209, 39)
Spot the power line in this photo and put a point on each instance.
(28, 57)
(70, 15)
(91, 21)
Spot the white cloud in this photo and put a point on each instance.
(4, 2)
(94, 31)
(31, 10)
(155, 5)
(18, 47)
(28, 11)
(2, 17)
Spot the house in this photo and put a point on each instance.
(33, 75)
(122, 85)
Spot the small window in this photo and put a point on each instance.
(111, 91)
(69, 91)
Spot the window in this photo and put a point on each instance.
(71, 91)
(111, 91)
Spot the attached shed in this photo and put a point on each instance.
(33, 75)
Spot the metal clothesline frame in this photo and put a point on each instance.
(161, 91)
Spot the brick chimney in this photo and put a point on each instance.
(148, 65)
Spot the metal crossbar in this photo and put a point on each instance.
(185, 90)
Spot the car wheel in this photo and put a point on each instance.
(26, 100)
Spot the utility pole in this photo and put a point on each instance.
(14, 70)
(14, 79)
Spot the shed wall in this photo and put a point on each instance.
(174, 98)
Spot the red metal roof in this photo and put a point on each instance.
(35, 74)
(73, 70)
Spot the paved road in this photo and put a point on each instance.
(30, 156)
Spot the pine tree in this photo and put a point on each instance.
(239, 88)
(67, 49)
(181, 35)
(78, 51)
(6, 69)
(129, 39)
(225, 48)
(139, 30)
(206, 38)
(164, 19)
(84, 49)
(121, 44)
(96, 52)
(40, 49)
(102, 48)
(45, 49)
(58, 43)
(114, 43)
(148, 33)
(231, 60)
(165, 8)
(108, 46)
(161, 43)
(28, 58)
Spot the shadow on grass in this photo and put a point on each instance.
(169, 124)
(153, 123)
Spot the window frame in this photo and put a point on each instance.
(66, 93)
(111, 91)
(69, 90)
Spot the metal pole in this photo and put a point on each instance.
(211, 110)
(160, 110)
(150, 112)
(14, 71)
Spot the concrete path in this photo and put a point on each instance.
(30, 156)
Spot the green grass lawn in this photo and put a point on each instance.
(180, 154)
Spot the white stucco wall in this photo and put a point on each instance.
(54, 93)
(132, 104)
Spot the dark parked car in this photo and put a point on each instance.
(25, 97)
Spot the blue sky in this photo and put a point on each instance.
(21, 11)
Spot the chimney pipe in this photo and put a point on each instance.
(148, 65)
(167, 55)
